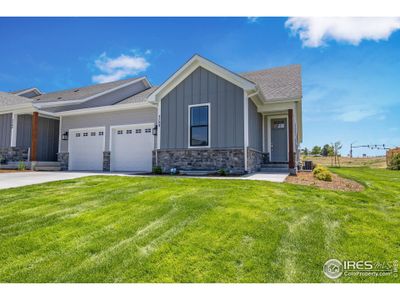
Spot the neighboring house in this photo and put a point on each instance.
(204, 117)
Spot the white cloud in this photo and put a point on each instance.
(120, 67)
(252, 19)
(358, 114)
(315, 32)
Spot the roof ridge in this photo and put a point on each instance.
(273, 68)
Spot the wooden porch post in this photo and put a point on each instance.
(35, 125)
(291, 152)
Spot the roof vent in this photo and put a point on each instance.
(76, 90)
(59, 98)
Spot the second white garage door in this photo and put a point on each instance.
(131, 148)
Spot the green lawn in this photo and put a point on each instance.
(168, 229)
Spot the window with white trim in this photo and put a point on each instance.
(199, 124)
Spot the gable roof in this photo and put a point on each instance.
(278, 84)
(192, 64)
(8, 99)
(27, 93)
(83, 93)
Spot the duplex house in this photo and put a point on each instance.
(203, 117)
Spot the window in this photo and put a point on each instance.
(85, 134)
(101, 133)
(119, 131)
(93, 134)
(199, 126)
(280, 124)
(129, 131)
(147, 130)
(138, 130)
(77, 134)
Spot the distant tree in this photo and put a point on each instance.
(336, 152)
(306, 151)
(316, 150)
(327, 150)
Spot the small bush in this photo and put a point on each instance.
(21, 166)
(318, 169)
(324, 175)
(394, 163)
(157, 170)
(222, 172)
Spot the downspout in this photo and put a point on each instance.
(246, 128)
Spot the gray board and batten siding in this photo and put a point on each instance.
(226, 111)
(5, 130)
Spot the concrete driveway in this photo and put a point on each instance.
(17, 179)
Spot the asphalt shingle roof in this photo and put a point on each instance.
(80, 92)
(281, 83)
(138, 98)
(8, 99)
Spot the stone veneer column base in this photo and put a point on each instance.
(230, 159)
(254, 160)
(62, 158)
(14, 154)
(106, 160)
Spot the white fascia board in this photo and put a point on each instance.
(29, 90)
(69, 102)
(102, 109)
(20, 108)
(195, 62)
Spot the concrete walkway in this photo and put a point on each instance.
(17, 179)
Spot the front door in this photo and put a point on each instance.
(279, 149)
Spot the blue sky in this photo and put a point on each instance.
(351, 78)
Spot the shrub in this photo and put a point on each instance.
(21, 166)
(318, 169)
(157, 170)
(222, 172)
(324, 175)
(394, 162)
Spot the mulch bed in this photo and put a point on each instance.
(13, 171)
(338, 183)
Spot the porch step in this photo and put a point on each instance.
(47, 166)
(275, 170)
(275, 165)
(197, 172)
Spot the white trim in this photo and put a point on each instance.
(14, 128)
(101, 109)
(158, 122)
(263, 133)
(59, 134)
(124, 126)
(29, 90)
(209, 125)
(195, 62)
(246, 128)
(11, 108)
(269, 118)
(78, 101)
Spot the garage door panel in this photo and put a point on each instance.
(86, 148)
(131, 148)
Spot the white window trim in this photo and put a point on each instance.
(269, 119)
(209, 125)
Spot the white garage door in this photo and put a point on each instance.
(131, 148)
(86, 148)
